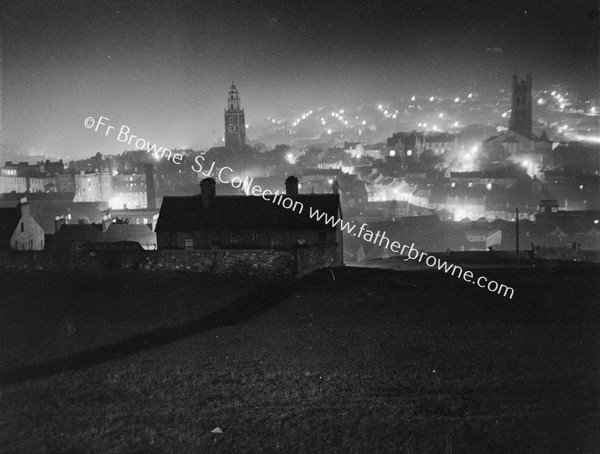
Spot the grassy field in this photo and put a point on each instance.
(347, 360)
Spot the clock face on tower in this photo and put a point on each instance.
(231, 128)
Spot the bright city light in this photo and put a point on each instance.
(116, 203)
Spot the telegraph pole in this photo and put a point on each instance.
(517, 233)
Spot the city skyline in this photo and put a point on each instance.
(164, 70)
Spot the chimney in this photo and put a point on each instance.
(59, 221)
(207, 191)
(106, 221)
(291, 186)
(335, 187)
(150, 190)
(24, 206)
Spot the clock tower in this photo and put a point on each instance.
(235, 124)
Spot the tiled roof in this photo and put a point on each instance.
(440, 138)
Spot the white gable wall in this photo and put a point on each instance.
(28, 236)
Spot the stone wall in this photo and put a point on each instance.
(258, 262)
(310, 259)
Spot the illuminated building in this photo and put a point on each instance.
(93, 186)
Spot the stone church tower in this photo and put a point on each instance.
(520, 117)
(235, 124)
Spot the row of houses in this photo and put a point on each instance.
(203, 221)
(131, 190)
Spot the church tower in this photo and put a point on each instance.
(520, 117)
(235, 124)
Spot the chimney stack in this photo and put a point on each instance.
(291, 186)
(207, 191)
(150, 190)
(59, 221)
(335, 187)
(24, 206)
(106, 221)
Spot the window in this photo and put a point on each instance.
(214, 243)
(234, 238)
(145, 220)
(189, 244)
(409, 153)
(22, 227)
(301, 241)
(254, 236)
(274, 243)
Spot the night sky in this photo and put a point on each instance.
(163, 68)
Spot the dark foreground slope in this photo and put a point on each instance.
(348, 360)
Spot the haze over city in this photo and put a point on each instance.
(296, 226)
(163, 68)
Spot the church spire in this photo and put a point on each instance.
(233, 99)
(235, 124)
